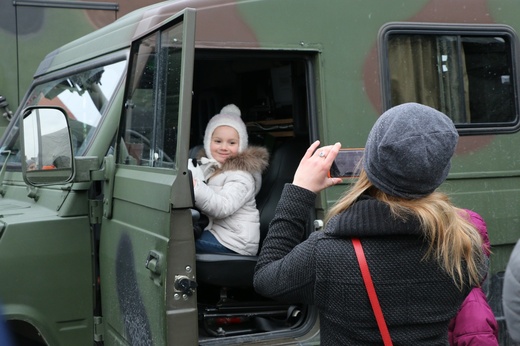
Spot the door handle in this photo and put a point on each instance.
(153, 262)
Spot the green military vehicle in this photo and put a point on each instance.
(97, 210)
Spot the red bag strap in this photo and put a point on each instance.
(363, 265)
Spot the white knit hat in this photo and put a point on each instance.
(228, 116)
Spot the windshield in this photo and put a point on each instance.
(83, 95)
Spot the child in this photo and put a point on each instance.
(475, 323)
(225, 191)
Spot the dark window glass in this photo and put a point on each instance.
(469, 78)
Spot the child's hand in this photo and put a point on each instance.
(313, 171)
(196, 170)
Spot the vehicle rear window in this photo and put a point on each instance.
(467, 74)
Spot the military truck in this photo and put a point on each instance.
(97, 208)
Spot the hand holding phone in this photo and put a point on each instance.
(347, 163)
(313, 171)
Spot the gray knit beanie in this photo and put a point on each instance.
(409, 150)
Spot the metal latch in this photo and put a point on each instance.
(98, 328)
(95, 211)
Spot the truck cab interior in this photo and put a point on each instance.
(272, 92)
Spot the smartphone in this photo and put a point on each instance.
(347, 163)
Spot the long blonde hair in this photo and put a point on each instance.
(453, 239)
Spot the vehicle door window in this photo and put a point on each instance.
(149, 130)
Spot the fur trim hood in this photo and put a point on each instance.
(253, 159)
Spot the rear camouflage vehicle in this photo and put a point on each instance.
(96, 229)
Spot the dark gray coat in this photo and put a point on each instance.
(417, 297)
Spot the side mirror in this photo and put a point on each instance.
(46, 146)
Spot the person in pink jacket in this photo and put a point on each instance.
(475, 323)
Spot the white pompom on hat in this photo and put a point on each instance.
(230, 115)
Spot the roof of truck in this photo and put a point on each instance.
(211, 14)
(110, 38)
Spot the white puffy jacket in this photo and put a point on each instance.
(228, 199)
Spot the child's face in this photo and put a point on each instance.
(224, 143)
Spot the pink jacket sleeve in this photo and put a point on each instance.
(481, 226)
(466, 330)
(475, 323)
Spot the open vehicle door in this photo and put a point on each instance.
(147, 257)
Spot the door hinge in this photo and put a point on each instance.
(95, 211)
(98, 328)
